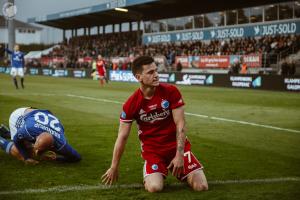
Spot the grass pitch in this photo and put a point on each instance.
(228, 150)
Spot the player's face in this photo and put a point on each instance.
(149, 76)
(17, 48)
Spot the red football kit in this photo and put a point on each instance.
(157, 129)
(101, 67)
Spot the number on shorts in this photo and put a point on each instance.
(188, 154)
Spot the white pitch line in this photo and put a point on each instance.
(243, 122)
(24, 94)
(187, 113)
(94, 99)
(72, 188)
(199, 115)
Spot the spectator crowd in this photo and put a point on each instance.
(128, 44)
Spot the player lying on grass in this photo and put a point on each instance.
(37, 134)
(159, 112)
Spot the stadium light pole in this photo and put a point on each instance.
(11, 29)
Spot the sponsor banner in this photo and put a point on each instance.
(292, 84)
(246, 81)
(2, 69)
(33, 71)
(47, 72)
(45, 60)
(183, 60)
(188, 61)
(195, 79)
(121, 75)
(214, 61)
(79, 73)
(253, 60)
(117, 60)
(88, 59)
(5, 70)
(167, 77)
(238, 31)
(8, 69)
(58, 60)
(234, 59)
(255, 81)
(60, 73)
(85, 60)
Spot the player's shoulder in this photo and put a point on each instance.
(134, 97)
(167, 87)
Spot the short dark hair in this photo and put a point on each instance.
(137, 65)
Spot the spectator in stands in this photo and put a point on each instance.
(179, 66)
(292, 68)
(124, 45)
(244, 68)
(284, 67)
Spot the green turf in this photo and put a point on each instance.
(229, 151)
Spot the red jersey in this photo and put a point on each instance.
(101, 67)
(156, 126)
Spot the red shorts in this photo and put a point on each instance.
(101, 72)
(158, 164)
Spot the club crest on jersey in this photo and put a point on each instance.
(165, 104)
(154, 167)
(123, 115)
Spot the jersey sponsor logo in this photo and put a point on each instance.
(192, 166)
(152, 117)
(165, 104)
(123, 115)
(154, 167)
(153, 107)
(141, 111)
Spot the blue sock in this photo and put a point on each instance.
(5, 145)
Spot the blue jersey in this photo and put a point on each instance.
(35, 123)
(17, 58)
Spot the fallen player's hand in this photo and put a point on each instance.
(30, 161)
(48, 155)
(110, 176)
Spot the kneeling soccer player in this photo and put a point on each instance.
(37, 133)
(159, 112)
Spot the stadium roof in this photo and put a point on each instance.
(104, 14)
(18, 24)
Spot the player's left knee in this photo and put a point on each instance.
(200, 186)
(154, 187)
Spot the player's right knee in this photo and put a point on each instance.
(200, 186)
(154, 187)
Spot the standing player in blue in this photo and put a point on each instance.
(17, 65)
(35, 133)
